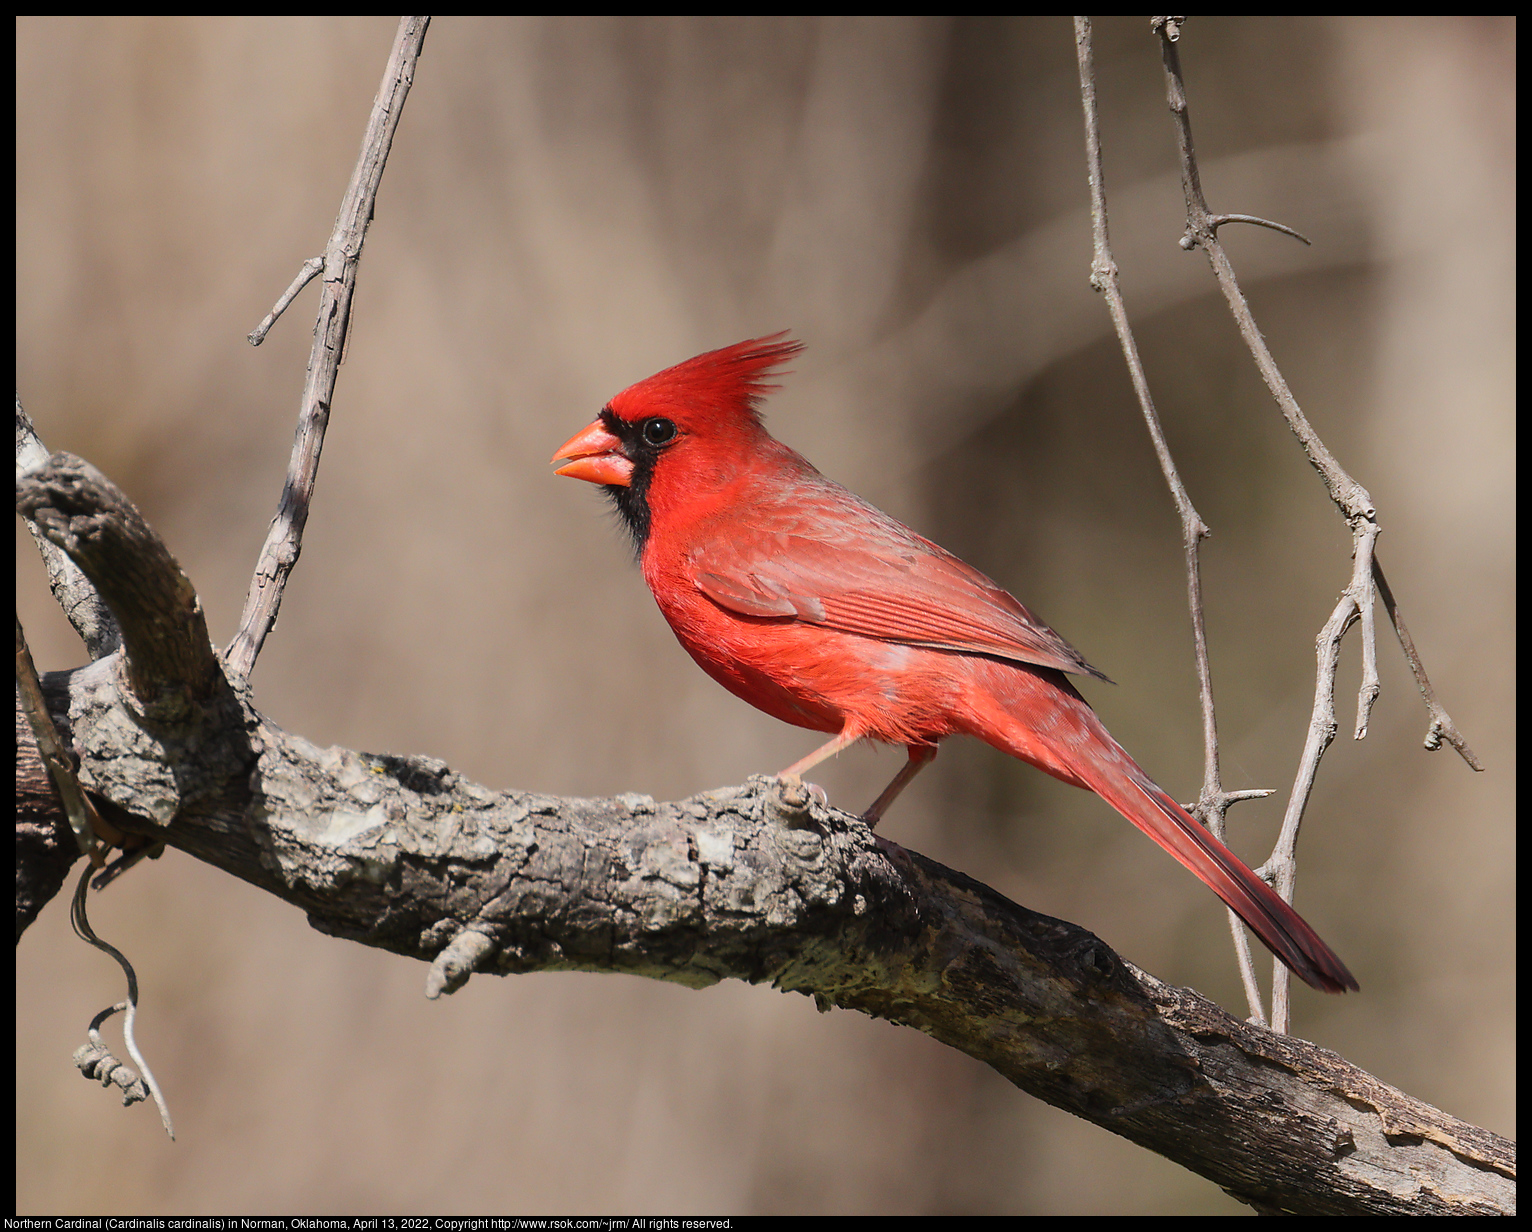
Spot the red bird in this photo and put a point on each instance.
(813, 606)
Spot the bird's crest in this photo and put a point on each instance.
(732, 378)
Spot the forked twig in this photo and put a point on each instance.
(1353, 500)
(1202, 232)
(284, 541)
(1213, 804)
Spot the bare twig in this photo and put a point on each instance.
(284, 541)
(93, 1060)
(1218, 220)
(1213, 804)
(83, 819)
(1201, 232)
(1350, 497)
(1442, 725)
(306, 274)
(1281, 868)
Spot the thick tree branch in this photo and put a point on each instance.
(83, 607)
(169, 661)
(403, 854)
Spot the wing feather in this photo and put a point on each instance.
(870, 575)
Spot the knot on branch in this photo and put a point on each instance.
(96, 1062)
(790, 801)
(460, 958)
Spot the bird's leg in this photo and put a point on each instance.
(794, 773)
(847, 737)
(921, 756)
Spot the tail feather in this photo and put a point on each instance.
(1284, 932)
(1062, 736)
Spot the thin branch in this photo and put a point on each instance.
(1201, 232)
(1442, 725)
(83, 820)
(1353, 500)
(93, 1059)
(284, 541)
(1281, 868)
(307, 272)
(1213, 804)
(1218, 220)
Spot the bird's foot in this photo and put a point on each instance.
(796, 793)
(796, 798)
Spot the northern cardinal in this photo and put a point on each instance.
(800, 597)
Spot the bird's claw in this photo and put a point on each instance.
(797, 799)
(796, 793)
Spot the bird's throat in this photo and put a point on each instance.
(632, 504)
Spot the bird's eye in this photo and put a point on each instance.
(658, 431)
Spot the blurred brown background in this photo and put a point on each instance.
(572, 204)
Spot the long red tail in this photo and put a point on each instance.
(1286, 933)
(1045, 722)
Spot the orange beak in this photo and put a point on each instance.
(596, 456)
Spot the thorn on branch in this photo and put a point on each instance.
(1217, 220)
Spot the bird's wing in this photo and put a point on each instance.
(857, 570)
